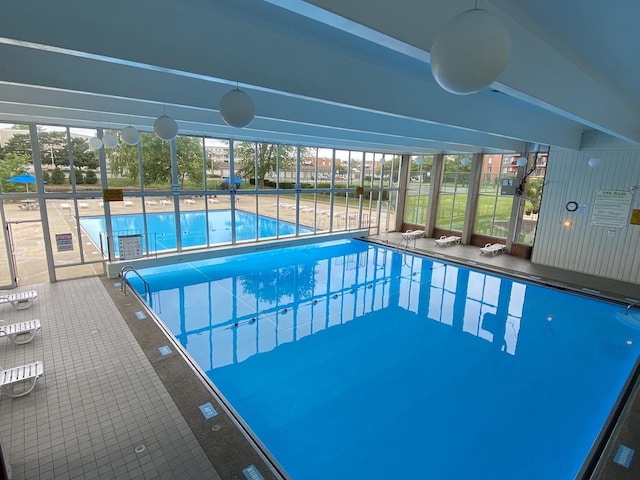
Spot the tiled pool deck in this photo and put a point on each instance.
(108, 390)
(101, 410)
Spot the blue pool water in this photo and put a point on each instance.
(162, 228)
(350, 360)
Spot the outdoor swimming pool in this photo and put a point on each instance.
(350, 360)
(162, 228)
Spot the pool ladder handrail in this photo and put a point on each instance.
(123, 274)
(630, 306)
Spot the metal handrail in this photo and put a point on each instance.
(630, 306)
(123, 274)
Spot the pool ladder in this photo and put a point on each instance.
(123, 275)
(630, 306)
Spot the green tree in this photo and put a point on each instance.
(18, 144)
(57, 176)
(387, 170)
(454, 171)
(244, 159)
(54, 149)
(10, 166)
(189, 158)
(156, 159)
(83, 154)
(79, 176)
(54, 144)
(123, 160)
(533, 193)
(90, 178)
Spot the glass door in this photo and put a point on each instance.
(7, 259)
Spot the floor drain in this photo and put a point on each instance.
(215, 428)
(139, 449)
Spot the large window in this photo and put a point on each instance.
(454, 190)
(494, 209)
(194, 192)
(418, 189)
(532, 195)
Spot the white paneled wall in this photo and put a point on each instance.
(607, 252)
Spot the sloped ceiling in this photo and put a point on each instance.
(327, 72)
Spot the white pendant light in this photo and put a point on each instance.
(593, 162)
(236, 108)
(130, 135)
(522, 161)
(109, 140)
(95, 143)
(165, 127)
(464, 161)
(470, 52)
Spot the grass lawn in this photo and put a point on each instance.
(451, 210)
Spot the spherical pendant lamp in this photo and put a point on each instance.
(165, 127)
(236, 108)
(95, 143)
(130, 135)
(470, 52)
(109, 140)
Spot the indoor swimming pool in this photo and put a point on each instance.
(162, 228)
(352, 360)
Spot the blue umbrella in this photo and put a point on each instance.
(235, 180)
(24, 178)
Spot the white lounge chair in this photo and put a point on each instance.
(492, 249)
(20, 333)
(410, 236)
(19, 300)
(24, 377)
(445, 241)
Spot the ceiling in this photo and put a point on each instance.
(325, 72)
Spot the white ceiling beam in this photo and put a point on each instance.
(272, 59)
(536, 72)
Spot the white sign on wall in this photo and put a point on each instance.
(611, 208)
(130, 246)
(64, 241)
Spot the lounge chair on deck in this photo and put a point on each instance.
(19, 300)
(410, 236)
(492, 249)
(20, 333)
(24, 377)
(445, 241)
